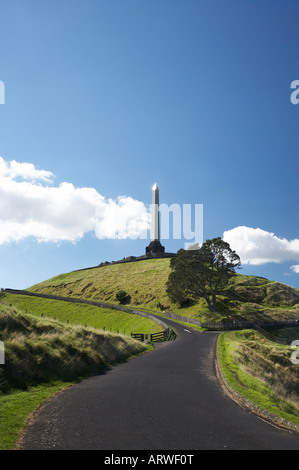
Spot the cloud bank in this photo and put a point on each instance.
(256, 246)
(31, 206)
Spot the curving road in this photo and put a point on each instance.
(167, 399)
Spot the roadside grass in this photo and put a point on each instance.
(17, 406)
(83, 314)
(261, 371)
(43, 356)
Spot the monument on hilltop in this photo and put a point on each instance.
(155, 248)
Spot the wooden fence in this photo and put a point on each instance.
(271, 337)
(165, 335)
(241, 325)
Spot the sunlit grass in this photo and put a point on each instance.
(83, 314)
(246, 298)
(261, 371)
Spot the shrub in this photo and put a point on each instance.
(121, 296)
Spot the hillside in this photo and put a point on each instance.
(144, 281)
(247, 297)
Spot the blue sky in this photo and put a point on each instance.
(105, 98)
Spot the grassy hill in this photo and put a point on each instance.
(247, 297)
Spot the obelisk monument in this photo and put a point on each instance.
(155, 246)
(155, 223)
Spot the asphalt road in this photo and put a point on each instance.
(167, 399)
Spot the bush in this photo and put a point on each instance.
(121, 296)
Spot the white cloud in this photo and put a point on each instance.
(256, 246)
(30, 207)
(25, 171)
(295, 268)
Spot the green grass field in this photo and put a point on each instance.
(83, 314)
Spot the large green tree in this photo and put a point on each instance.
(202, 273)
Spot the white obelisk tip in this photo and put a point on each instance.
(155, 225)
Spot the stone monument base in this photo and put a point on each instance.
(154, 248)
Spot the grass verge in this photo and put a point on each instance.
(17, 406)
(261, 371)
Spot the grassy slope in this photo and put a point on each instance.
(261, 371)
(83, 314)
(248, 297)
(144, 281)
(42, 356)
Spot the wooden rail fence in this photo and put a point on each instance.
(271, 337)
(165, 335)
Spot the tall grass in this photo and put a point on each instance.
(44, 350)
(261, 371)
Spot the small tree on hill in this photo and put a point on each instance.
(202, 272)
(121, 296)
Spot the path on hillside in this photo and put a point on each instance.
(166, 399)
